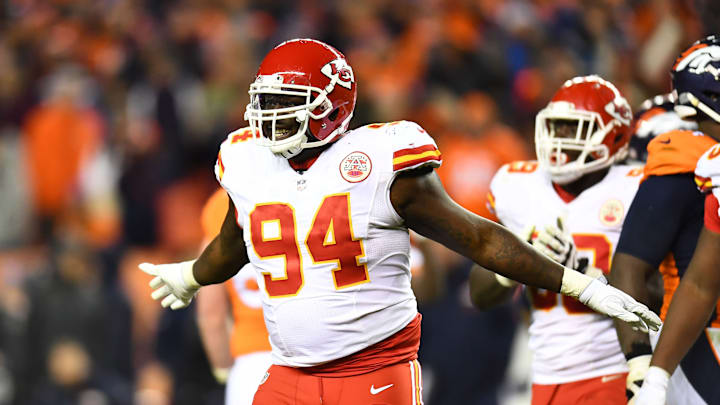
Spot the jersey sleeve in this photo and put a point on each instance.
(496, 188)
(506, 192)
(661, 219)
(712, 212)
(234, 138)
(219, 167)
(490, 204)
(707, 179)
(412, 146)
(231, 157)
(675, 152)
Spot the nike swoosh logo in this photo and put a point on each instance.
(666, 141)
(608, 378)
(375, 391)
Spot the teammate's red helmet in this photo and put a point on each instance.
(314, 71)
(603, 119)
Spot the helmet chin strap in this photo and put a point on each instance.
(707, 110)
(686, 111)
(300, 116)
(307, 140)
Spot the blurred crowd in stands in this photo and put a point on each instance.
(112, 112)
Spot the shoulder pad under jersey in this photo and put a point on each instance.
(675, 152)
(411, 145)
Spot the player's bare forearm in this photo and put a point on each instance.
(692, 303)
(225, 255)
(213, 311)
(427, 209)
(630, 274)
(485, 290)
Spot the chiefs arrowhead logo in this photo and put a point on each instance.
(340, 70)
(619, 111)
(356, 167)
(612, 213)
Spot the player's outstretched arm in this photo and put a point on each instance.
(421, 200)
(225, 255)
(176, 283)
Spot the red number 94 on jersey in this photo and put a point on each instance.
(330, 239)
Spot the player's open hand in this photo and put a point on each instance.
(610, 301)
(174, 283)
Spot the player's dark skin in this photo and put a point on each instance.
(568, 129)
(290, 126)
(420, 199)
(693, 303)
(485, 291)
(700, 291)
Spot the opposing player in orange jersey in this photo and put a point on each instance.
(580, 191)
(322, 213)
(693, 309)
(662, 228)
(239, 354)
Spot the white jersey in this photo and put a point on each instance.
(570, 342)
(331, 253)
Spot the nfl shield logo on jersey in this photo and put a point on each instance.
(355, 167)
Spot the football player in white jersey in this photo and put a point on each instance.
(580, 193)
(323, 214)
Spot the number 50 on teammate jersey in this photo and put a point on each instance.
(569, 341)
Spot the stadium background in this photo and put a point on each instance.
(112, 111)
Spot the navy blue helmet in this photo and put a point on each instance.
(696, 80)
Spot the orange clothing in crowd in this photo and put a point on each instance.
(249, 334)
(58, 140)
(469, 164)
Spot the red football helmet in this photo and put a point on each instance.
(603, 119)
(309, 69)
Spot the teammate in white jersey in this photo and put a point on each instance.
(569, 204)
(322, 213)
